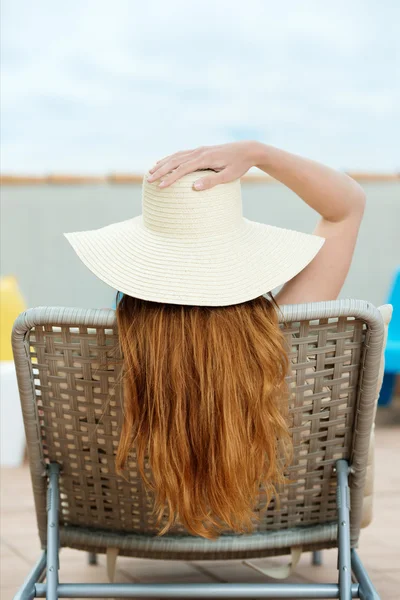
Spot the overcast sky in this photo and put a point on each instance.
(100, 86)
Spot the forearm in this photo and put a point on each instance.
(334, 195)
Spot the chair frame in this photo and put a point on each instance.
(348, 562)
(347, 534)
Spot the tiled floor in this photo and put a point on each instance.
(379, 547)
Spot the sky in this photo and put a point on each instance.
(100, 86)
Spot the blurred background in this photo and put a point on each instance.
(94, 92)
(97, 89)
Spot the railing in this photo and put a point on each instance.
(132, 178)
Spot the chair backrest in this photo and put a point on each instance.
(69, 366)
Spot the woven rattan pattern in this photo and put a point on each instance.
(77, 381)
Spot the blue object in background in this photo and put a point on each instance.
(392, 351)
(117, 299)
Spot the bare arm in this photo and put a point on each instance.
(338, 199)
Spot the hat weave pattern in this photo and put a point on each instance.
(194, 248)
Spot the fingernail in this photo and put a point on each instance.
(150, 178)
(199, 185)
(162, 184)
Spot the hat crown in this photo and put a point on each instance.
(182, 212)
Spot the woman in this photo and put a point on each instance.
(205, 400)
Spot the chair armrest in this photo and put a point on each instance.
(367, 510)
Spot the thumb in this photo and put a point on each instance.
(208, 182)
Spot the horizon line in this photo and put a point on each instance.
(134, 178)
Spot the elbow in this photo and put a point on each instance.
(359, 199)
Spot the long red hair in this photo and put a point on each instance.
(205, 403)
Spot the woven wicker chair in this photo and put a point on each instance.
(69, 365)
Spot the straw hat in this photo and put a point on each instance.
(195, 248)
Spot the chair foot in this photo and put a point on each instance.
(92, 558)
(37, 574)
(367, 590)
(316, 558)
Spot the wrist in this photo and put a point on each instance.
(261, 154)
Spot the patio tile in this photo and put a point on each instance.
(5, 550)
(387, 585)
(161, 571)
(13, 571)
(18, 524)
(74, 567)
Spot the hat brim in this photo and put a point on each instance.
(216, 271)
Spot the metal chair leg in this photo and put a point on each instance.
(92, 558)
(367, 590)
(343, 506)
(316, 558)
(28, 590)
(52, 533)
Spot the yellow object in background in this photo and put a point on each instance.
(11, 305)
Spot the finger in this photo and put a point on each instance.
(168, 165)
(176, 154)
(208, 182)
(166, 168)
(182, 153)
(162, 161)
(166, 159)
(159, 164)
(180, 171)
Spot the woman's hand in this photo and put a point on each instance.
(231, 161)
